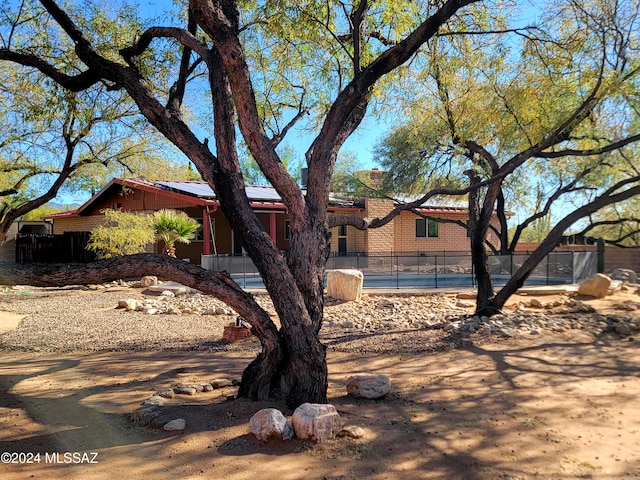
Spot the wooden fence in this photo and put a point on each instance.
(70, 247)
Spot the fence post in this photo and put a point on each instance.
(548, 255)
(436, 277)
(244, 270)
(600, 255)
(473, 274)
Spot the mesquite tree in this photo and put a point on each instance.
(552, 130)
(220, 49)
(54, 140)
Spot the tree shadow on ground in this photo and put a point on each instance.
(481, 412)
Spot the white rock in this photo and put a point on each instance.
(368, 386)
(351, 431)
(316, 422)
(221, 382)
(270, 423)
(465, 304)
(175, 425)
(154, 400)
(148, 281)
(345, 284)
(535, 303)
(129, 304)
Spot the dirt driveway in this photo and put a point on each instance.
(554, 406)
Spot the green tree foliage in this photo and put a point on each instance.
(617, 224)
(547, 118)
(172, 226)
(54, 141)
(123, 233)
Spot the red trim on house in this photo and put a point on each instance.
(68, 213)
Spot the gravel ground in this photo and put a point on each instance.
(82, 319)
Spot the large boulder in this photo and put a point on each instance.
(368, 386)
(596, 286)
(345, 284)
(316, 422)
(624, 274)
(270, 424)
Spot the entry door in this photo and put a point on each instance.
(237, 247)
(342, 240)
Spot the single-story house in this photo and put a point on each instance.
(407, 233)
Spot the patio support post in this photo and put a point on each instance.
(272, 227)
(206, 237)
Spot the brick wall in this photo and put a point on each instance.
(76, 224)
(400, 234)
(616, 257)
(451, 237)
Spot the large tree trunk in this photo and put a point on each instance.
(479, 257)
(298, 370)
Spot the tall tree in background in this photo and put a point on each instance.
(258, 64)
(53, 140)
(551, 122)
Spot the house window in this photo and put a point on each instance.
(199, 233)
(426, 228)
(287, 230)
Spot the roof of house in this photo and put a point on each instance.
(196, 192)
(261, 197)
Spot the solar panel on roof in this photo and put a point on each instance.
(196, 189)
(262, 193)
(203, 190)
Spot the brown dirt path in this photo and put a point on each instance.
(556, 407)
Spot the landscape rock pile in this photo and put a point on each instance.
(120, 316)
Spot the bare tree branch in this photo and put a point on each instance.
(589, 152)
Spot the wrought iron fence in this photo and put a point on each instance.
(436, 270)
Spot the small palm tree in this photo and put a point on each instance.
(172, 226)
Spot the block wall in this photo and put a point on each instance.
(379, 240)
(76, 224)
